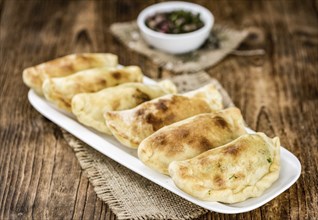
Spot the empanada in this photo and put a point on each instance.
(232, 173)
(130, 127)
(61, 90)
(63, 66)
(90, 107)
(209, 94)
(190, 137)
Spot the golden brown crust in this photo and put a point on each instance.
(241, 169)
(90, 107)
(209, 94)
(132, 126)
(61, 90)
(167, 111)
(64, 66)
(190, 137)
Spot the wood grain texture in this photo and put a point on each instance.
(40, 177)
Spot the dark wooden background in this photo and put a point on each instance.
(278, 94)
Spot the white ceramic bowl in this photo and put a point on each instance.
(175, 43)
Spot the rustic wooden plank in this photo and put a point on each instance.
(37, 178)
(277, 93)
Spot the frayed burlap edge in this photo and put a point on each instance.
(96, 179)
(104, 192)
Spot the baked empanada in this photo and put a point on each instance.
(232, 173)
(209, 94)
(130, 127)
(63, 66)
(190, 137)
(90, 107)
(61, 90)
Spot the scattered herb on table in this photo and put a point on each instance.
(175, 22)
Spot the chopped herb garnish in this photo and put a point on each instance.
(269, 160)
(233, 176)
(175, 22)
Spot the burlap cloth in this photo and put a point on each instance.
(222, 41)
(129, 195)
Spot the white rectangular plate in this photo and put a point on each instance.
(107, 145)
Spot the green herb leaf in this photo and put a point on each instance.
(175, 22)
(233, 176)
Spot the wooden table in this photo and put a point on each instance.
(40, 176)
